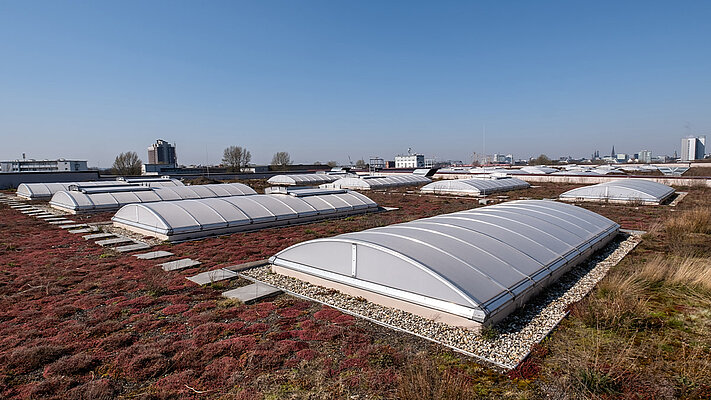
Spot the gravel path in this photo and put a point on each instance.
(514, 337)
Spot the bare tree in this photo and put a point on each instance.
(127, 163)
(361, 164)
(281, 160)
(332, 164)
(236, 158)
(541, 160)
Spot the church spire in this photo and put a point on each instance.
(613, 151)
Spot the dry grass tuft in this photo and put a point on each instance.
(619, 305)
(696, 220)
(687, 230)
(424, 380)
(687, 270)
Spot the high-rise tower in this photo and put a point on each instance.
(162, 152)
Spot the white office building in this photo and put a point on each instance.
(30, 165)
(410, 161)
(693, 148)
(645, 156)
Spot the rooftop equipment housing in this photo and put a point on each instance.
(301, 179)
(190, 219)
(38, 191)
(475, 186)
(622, 191)
(90, 200)
(377, 182)
(469, 268)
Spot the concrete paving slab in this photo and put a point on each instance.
(151, 255)
(56, 218)
(102, 235)
(32, 211)
(74, 226)
(82, 230)
(45, 216)
(179, 264)
(216, 275)
(248, 265)
(251, 293)
(132, 247)
(114, 242)
(62, 221)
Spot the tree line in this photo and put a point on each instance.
(236, 158)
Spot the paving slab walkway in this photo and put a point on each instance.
(151, 255)
(102, 235)
(215, 275)
(62, 221)
(132, 247)
(251, 293)
(114, 242)
(45, 216)
(82, 230)
(179, 264)
(74, 226)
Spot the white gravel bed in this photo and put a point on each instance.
(513, 338)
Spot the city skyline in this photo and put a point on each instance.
(328, 81)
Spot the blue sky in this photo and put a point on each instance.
(325, 80)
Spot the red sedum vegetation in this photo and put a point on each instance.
(77, 321)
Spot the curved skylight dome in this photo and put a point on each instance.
(35, 191)
(301, 179)
(188, 219)
(154, 182)
(474, 186)
(621, 190)
(88, 200)
(538, 169)
(577, 172)
(466, 268)
(378, 182)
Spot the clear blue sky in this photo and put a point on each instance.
(329, 79)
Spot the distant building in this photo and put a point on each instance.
(376, 163)
(410, 161)
(162, 152)
(621, 157)
(389, 164)
(30, 165)
(157, 169)
(503, 159)
(645, 156)
(693, 148)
